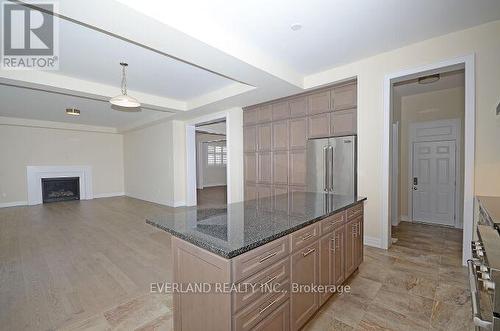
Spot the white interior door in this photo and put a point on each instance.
(433, 188)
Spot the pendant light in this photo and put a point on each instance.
(124, 100)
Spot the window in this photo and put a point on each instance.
(216, 154)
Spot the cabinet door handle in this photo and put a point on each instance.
(269, 305)
(267, 257)
(269, 280)
(309, 251)
(334, 244)
(307, 236)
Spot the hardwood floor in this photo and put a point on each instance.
(63, 263)
(88, 265)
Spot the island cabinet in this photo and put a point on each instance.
(279, 278)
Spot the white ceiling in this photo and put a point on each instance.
(95, 56)
(334, 31)
(447, 80)
(39, 105)
(246, 41)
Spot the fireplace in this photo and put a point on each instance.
(60, 189)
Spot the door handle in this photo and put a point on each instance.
(330, 170)
(415, 188)
(325, 164)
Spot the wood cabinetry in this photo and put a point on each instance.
(280, 135)
(319, 126)
(343, 122)
(298, 107)
(297, 168)
(281, 111)
(344, 97)
(250, 116)
(264, 137)
(314, 255)
(250, 139)
(265, 170)
(280, 168)
(304, 271)
(264, 114)
(319, 102)
(298, 133)
(284, 126)
(354, 244)
(250, 164)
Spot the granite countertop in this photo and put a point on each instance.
(243, 226)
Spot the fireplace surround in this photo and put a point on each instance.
(35, 174)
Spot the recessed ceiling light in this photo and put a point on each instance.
(296, 27)
(73, 111)
(428, 79)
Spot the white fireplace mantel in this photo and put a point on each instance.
(34, 175)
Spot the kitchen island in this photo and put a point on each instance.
(258, 264)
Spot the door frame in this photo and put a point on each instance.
(455, 136)
(464, 62)
(191, 155)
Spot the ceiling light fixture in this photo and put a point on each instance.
(428, 79)
(296, 27)
(73, 111)
(124, 100)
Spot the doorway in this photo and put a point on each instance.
(434, 180)
(211, 164)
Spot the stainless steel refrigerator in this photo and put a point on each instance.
(332, 165)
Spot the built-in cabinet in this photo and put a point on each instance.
(282, 127)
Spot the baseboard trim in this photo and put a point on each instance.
(405, 218)
(372, 241)
(108, 195)
(163, 203)
(13, 204)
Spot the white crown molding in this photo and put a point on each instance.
(15, 121)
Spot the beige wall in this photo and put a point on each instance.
(21, 146)
(423, 107)
(148, 163)
(483, 41)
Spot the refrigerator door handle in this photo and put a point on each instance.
(325, 172)
(330, 170)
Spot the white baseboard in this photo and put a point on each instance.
(13, 204)
(164, 203)
(108, 195)
(372, 241)
(405, 218)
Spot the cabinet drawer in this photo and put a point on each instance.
(355, 211)
(304, 237)
(332, 222)
(263, 307)
(261, 283)
(257, 259)
(278, 320)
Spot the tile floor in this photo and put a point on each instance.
(418, 284)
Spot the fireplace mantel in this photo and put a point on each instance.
(34, 175)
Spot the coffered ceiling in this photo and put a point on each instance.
(191, 57)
